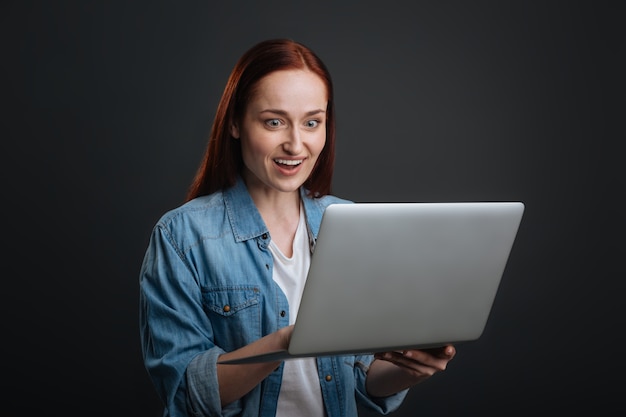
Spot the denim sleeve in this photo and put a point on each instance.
(173, 326)
(203, 388)
(382, 405)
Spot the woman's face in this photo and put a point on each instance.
(283, 130)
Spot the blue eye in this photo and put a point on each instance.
(312, 123)
(273, 122)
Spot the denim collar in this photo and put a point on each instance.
(246, 221)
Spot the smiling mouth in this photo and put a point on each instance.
(288, 162)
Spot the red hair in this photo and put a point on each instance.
(222, 161)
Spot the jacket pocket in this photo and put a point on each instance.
(234, 313)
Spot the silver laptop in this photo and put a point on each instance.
(390, 276)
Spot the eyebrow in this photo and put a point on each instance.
(284, 113)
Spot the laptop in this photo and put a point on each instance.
(392, 276)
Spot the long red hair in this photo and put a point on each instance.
(222, 161)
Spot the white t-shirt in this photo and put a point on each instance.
(300, 392)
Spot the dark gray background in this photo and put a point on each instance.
(107, 106)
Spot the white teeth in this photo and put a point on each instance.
(288, 161)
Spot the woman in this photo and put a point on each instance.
(223, 274)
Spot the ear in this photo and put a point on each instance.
(234, 131)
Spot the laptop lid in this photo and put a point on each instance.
(389, 276)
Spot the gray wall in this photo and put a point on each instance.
(108, 105)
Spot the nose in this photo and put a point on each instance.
(293, 143)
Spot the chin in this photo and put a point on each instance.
(290, 185)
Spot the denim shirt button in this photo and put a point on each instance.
(226, 308)
(282, 313)
(264, 236)
(328, 378)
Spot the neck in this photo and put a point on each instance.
(272, 202)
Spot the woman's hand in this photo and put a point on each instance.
(394, 371)
(236, 380)
(422, 363)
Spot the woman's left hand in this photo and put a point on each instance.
(394, 371)
(421, 363)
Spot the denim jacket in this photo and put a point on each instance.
(206, 288)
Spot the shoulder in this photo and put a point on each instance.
(196, 213)
(315, 206)
(318, 204)
(327, 200)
